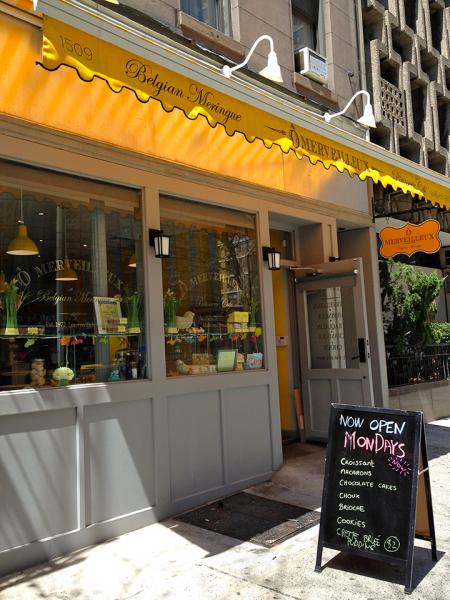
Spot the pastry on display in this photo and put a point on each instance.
(38, 372)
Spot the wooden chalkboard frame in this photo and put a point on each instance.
(420, 451)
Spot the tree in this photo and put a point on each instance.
(408, 299)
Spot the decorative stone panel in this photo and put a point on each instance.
(392, 105)
(407, 45)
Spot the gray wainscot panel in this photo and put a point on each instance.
(38, 476)
(248, 432)
(195, 441)
(320, 393)
(120, 459)
(349, 389)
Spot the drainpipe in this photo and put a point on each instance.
(360, 46)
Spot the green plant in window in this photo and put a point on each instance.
(253, 306)
(170, 311)
(132, 301)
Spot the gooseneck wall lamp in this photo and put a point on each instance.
(271, 71)
(272, 257)
(160, 242)
(368, 118)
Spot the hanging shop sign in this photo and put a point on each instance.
(93, 57)
(376, 493)
(410, 239)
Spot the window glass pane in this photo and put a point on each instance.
(216, 13)
(72, 313)
(203, 10)
(308, 8)
(332, 329)
(304, 32)
(212, 304)
(224, 21)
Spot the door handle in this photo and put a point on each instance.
(362, 350)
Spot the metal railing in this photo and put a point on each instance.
(432, 363)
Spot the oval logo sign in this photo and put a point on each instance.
(410, 239)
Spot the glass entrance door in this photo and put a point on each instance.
(333, 341)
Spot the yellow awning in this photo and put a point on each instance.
(92, 57)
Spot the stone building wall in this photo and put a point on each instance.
(407, 49)
(252, 18)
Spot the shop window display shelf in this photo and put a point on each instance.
(220, 331)
(54, 336)
(210, 334)
(86, 353)
(196, 352)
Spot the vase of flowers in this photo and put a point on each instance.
(11, 299)
(252, 310)
(133, 302)
(170, 312)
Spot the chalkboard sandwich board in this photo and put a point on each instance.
(370, 492)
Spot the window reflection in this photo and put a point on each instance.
(73, 312)
(332, 329)
(216, 13)
(305, 17)
(212, 305)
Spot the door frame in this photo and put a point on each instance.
(350, 273)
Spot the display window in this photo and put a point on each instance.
(212, 301)
(71, 281)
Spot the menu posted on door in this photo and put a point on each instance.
(370, 486)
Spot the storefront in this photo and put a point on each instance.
(134, 387)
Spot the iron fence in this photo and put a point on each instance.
(432, 363)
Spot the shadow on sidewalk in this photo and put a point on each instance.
(380, 570)
(438, 438)
(31, 575)
(209, 541)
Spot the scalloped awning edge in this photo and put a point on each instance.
(93, 57)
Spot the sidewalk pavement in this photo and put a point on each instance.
(176, 561)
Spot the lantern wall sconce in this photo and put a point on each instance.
(160, 242)
(271, 71)
(272, 257)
